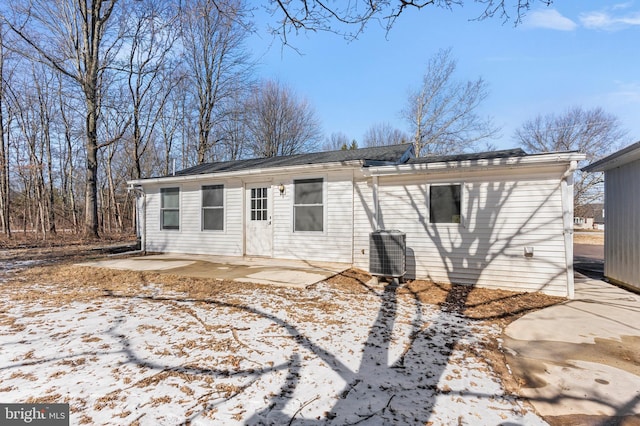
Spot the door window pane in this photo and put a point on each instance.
(259, 206)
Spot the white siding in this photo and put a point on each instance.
(334, 244)
(190, 238)
(501, 216)
(503, 211)
(622, 224)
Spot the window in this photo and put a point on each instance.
(213, 207)
(259, 207)
(307, 205)
(170, 208)
(444, 203)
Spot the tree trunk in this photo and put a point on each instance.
(69, 199)
(91, 191)
(5, 220)
(112, 193)
(45, 121)
(52, 214)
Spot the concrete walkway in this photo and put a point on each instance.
(580, 360)
(289, 273)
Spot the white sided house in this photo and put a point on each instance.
(622, 215)
(500, 219)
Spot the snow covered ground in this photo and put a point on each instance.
(252, 355)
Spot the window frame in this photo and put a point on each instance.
(322, 204)
(259, 213)
(204, 208)
(164, 209)
(461, 204)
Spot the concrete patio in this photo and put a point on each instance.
(579, 359)
(288, 273)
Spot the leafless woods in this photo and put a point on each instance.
(93, 93)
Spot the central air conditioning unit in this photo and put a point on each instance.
(387, 253)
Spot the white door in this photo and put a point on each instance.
(258, 233)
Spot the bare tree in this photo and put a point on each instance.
(5, 194)
(593, 132)
(174, 116)
(115, 123)
(29, 108)
(43, 85)
(350, 18)
(151, 41)
(78, 39)
(68, 147)
(382, 134)
(280, 123)
(234, 130)
(338, 141)
(442, 113)
(213, 36)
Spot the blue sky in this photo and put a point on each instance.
(574, 53)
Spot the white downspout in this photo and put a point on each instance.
(566, 185)
(376, 206)
(143, 237)
(140, 215)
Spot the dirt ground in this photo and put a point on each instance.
(84, 284)
(482, 305)
(589, 237)
(62, 248)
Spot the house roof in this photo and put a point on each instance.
(593, 210)
(617, 159)
(383, 155)
(393, 159)
(507, 153)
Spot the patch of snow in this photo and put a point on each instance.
(264, 356)
(10, 267)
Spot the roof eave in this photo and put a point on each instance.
(534, 160)
(617, 159)
(246, 173)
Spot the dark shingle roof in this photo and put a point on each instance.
(374, 156)
(593, 210)
(516, 152)
(393, 154)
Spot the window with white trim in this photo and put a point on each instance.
(444, 203)
(213, 207)
(170, 208)
(308, 205)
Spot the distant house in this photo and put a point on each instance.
(589, 216)
(622, 214)
(498, 219)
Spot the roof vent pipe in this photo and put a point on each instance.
(173, 169)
